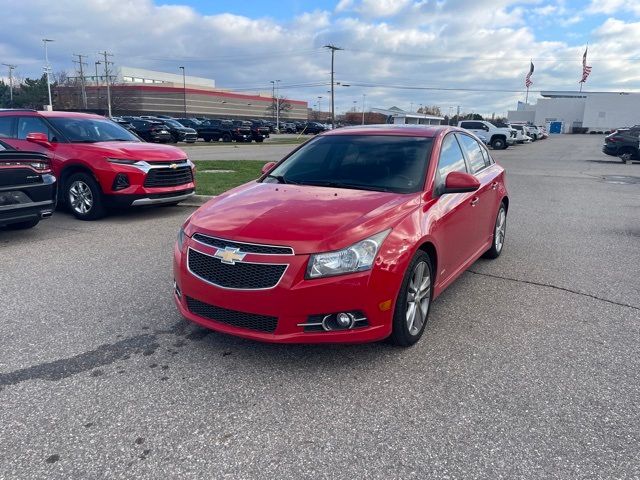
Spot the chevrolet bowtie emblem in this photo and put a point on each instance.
(173, 166)
(229, 255)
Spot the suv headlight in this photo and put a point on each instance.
(356, 258)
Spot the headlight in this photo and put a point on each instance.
(181, 237)
(356, 258)
(122, 161)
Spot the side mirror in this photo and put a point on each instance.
(460, 182)
(39, 138)
(267, 167)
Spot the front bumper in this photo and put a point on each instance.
(142, 199)
(292, 301)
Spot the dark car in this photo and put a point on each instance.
(179, 133)
(150, 130)
(27, 188)
(313, 128)
(259, 130)
(623, 143)
(242, 131)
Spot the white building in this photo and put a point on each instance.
(398, 116)
(594, 111)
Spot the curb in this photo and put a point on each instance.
(196, 200)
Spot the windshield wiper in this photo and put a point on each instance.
(280, 179)
(355, 186)
(84, 141)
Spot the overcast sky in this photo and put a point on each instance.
(428, 44)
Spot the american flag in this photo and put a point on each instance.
(586, 69)
(527, 80)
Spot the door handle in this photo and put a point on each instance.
(474, 201)
(494, 186)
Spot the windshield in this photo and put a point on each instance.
(91, 130)
(172, 123)
(366, 162)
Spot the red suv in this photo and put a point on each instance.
(348, 239)
(98, 163)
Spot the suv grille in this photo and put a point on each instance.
(168, 177)
(245, 247)
(244, 276)
(251, 321)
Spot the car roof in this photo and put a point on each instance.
(428, 131)
(52, 114)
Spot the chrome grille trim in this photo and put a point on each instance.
(237, 243)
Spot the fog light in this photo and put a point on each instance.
(177, 291)
(344, 320)
(121, 182)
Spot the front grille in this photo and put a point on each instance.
(245, 247)
(245, 276)
(168, 177)
(250, 321)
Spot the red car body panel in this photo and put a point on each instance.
(93, 158)
(457, 227)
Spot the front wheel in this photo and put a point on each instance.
(498, 144)
(413, 302)
(499, 233)
(84, 197)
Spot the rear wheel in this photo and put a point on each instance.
(413, 302)
(83, 197)
(626, 154)
(226, 138)
(206, 139)
(259, 140)
(499, 232)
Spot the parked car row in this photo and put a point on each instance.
(87, 162)
(158, 129)
(502, 135)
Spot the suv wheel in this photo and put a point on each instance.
(226, 138)
(626, 154)
(83, 197)
(499, 232)
(498, 143)
(413, 302)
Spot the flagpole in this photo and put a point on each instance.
(526, 99)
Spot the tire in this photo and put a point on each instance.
(83, 197)
(626, 154)
(206, 139)
(406, 329)
(498, 237)
(498, 144)
(24, 225)
(259, 140)
(226, 138)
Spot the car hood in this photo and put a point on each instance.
(308, 219)
(149, 152)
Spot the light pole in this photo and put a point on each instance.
(11, 68)
(47, 69)
(364, 95)
(276, 101)
(184, 91)
(333, 49)
(319, 108)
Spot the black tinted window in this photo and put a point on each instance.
(89, 130)
(6, 126)
(383, 163)
(474, 152)
(451, 158)
(27, 125)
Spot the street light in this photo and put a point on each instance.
(11, 68)
(47, 69)
(277, 102)
(184, 91)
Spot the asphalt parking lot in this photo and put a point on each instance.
(529, 367)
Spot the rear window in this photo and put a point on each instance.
(366, 162)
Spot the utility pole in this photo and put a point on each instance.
(273, 97)
(47, 70)
(277, 107)
(97, 62)
(11, 68)
(364, 95)
(458, 114)
(333, 49)
(105, 54)
(82, 86)
(184, 91)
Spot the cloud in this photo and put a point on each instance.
(456, 44)
(610, 7)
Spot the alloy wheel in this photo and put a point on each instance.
(80, 197)
(418, 298)
(501, 228)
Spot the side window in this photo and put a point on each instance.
(27, 125)
(474, 152)
(467, 125)
(7, 127)
(451, 158)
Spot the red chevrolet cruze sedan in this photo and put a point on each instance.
(98, 163)
(347, 239)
